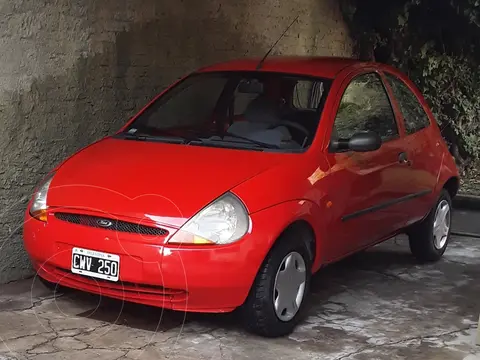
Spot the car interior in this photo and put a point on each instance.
(276, 115)
(267, 108)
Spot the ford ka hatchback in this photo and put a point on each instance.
(237, 183)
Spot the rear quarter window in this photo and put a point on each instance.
(414, 114)
(307, 94)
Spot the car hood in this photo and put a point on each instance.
(165, 183)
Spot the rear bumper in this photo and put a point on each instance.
(196, 279)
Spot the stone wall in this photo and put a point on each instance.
(74, 71)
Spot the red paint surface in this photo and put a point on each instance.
(165, 184)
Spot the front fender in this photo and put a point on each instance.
(271, 222)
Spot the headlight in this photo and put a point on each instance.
(224, 221)
(39, 207)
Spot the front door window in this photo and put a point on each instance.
(365, 106)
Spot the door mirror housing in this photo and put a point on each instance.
(364, 141)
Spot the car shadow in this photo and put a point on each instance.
(146, 317)
(362, 267)
(372, 265)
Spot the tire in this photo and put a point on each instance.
(259, 314)
(426, 243)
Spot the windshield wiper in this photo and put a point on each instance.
(187, 139)
(130, 136)
(259, 143)
(171, 137)
(137, 137)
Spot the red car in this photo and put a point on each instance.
(240, 181)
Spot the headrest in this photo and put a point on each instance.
(262, 109)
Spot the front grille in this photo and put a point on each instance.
(110, 224)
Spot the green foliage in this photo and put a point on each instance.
(437, 43)
(450, 84)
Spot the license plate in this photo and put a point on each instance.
(95, 264)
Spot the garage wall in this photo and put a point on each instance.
(74, 71)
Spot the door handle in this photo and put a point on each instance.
(403, 159)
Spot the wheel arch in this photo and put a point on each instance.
(305, 229)
(452, 185)
(298, 216)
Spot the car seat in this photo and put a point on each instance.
(260, 118)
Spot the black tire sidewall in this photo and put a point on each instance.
(301, 249)
(260, 316)
(443, 196)
(422, 240)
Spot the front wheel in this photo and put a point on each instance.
(429, 239)
(276, 300)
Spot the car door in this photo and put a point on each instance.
(422, 148)
(364, 184)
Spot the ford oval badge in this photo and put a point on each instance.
(104, 223)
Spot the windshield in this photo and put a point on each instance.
(249, 110)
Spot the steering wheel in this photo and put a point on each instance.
(293, 125)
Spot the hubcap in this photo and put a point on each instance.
(289, 286)
(441, 225)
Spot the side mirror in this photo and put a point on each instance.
(365, 141)
(360, 142)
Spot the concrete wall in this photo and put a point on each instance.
(74, 71)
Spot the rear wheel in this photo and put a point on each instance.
(429, 239)
(276, 300)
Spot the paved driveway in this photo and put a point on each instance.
(376, 305)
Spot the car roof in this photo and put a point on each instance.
(317, 66)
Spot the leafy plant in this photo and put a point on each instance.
(437, 43)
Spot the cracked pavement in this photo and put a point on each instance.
(379, 304)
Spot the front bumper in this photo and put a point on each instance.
(185, 278)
